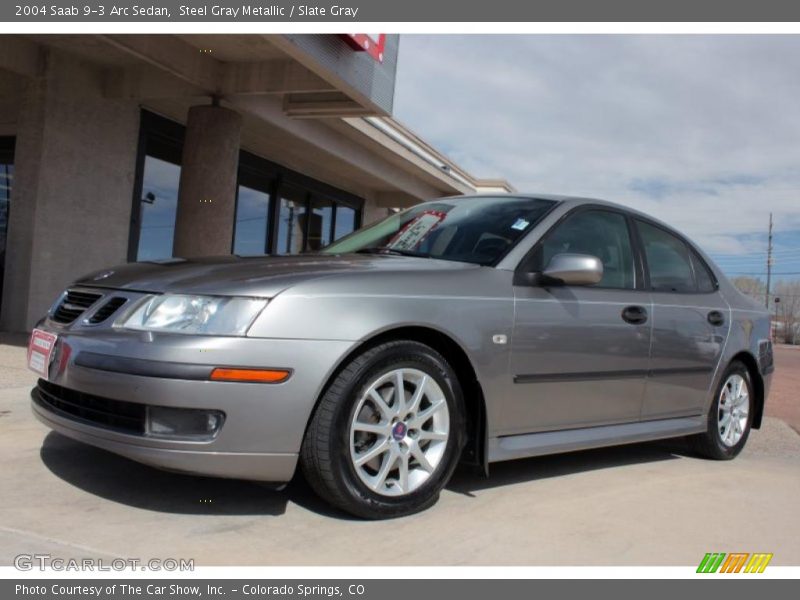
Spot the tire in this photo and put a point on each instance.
(335, 442)
(715, 443)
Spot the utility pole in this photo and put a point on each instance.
(769, 261)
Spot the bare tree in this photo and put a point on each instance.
(751, 286)
(789, 309)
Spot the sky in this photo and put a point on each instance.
(702, 132)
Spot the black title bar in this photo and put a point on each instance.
(387, 11)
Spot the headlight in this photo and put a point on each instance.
(210, 315)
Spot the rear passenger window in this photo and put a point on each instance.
(668, 260)
(705, 280)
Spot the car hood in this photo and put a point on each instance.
(262, 276)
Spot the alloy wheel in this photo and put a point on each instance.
(399, 431)
(734, 407)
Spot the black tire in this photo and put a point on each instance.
(710, 444)
(325, 454)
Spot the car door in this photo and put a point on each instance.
(580, 353)
(690, 324)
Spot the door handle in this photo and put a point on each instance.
(716, 318)
(635, 315)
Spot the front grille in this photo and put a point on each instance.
(126, 417)
(73, 305)
(108, 309)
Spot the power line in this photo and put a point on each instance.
(756, 258)
(761, 272)
(759, 256)
(769, 261)
(775, 252)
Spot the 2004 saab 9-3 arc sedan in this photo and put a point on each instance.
(474, 329)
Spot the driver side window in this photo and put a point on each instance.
(599, 233)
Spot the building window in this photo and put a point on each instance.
(309, 221)
(292, 220)
(345, 221)
(320, 228)
(252, 221)
(6, 179)
(278, 211)
(253, 207)
(156, 195)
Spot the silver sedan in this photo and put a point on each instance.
(471, 329)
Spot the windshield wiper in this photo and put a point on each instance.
(392, 251)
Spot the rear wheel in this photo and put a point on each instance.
(730, 417)
(387, 433)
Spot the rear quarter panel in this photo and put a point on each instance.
(749, 330)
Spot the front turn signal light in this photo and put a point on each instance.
(250, 375)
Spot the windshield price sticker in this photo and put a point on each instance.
(416, 230)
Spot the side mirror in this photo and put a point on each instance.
(573, 269)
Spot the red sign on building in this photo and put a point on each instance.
(371, 43)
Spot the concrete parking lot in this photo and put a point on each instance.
(648, 504)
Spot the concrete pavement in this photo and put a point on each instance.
(648, 504)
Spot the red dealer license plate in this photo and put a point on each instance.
(40, 351)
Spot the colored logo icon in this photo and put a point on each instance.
(735, 562)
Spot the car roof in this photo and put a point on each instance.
(571, 201)
(574, 200)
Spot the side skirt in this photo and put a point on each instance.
(554, 442)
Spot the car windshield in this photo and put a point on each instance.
(476, 229)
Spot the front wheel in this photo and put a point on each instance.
(387, 433)
(730, 416)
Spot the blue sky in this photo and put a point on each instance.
(700, 131)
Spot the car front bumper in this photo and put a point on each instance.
(264, 424)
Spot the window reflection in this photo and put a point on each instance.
(345, 221)
(291, 221)
(321, 224)
(252, 220)
(158, 209)
(6, 179)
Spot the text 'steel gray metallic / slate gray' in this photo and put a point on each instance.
(388, 11)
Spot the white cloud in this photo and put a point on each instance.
(700, 131)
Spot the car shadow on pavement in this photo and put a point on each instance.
(121, 480)
(557, 465)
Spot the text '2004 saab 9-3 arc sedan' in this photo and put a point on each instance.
(471, 329)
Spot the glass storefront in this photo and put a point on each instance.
(252, 221)
(156, 192)
(254, 207)
(278, 211)
(320, 227)
(6, 180)
(291, 220)
(346, 221)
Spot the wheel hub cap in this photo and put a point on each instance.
(399, 431)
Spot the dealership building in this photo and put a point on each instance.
(117, 148)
